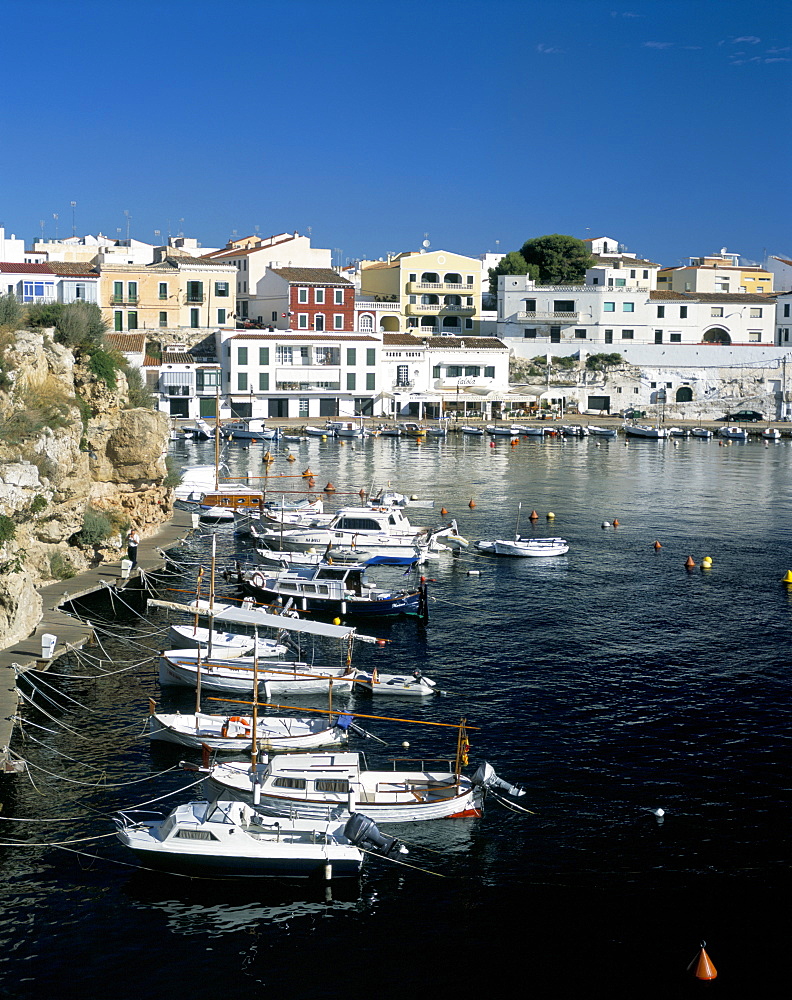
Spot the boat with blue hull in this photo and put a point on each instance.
(332, 590)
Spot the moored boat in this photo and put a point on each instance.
(527, 547)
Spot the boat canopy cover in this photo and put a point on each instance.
(242, 616)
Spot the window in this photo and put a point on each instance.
(564, 305)
(595, 281)
(302, 321)
(609, 336)
(530, 305)
(338, 321)
(658, 336)
(675, 338)
(435, 371)
(283, 355)
(274, 316)
(371, 357)
(786, 309)
(163, 319)
(319, 296)
(242, 355)
(132, 321)
(628, 307)
(756, 313)
(242, 382)
(636, 389)
(263, 355)
(207, 378)
(118, 321)
(716, 311)
(132, 291)
(303, 408)
(472, 370)
(263, 381)
(632, 274)
(370, 381)
(412, 277)
(338, 296)
(580, 334)
(489, 371)
(609, 307)
(221, 289)
(195, 291)
(683, 312)
(628, 334)
(221, 317)
(454, 371)
(646, 274)
(118, 291)
(754, 337)
(468, 324)
(351, 357)
(403, 374)
(302, 296)
(163, 289)
(319, 322)
(620, 282)
(660, 312)
(530, 334)
(669, 385)
(351, 381)
(653, 385)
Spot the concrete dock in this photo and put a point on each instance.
(29, 654)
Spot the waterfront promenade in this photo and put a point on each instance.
(69, 633)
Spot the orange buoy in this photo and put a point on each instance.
(533, 516)
(514, 442)
(657, 546)
(689, 564)
(472, 504)
(329, 488)
(268, 457)
(704, 967)
(615, 523)
(443, 512)
(307, 474)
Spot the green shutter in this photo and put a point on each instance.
(370, 379)
(351, 357)
(351, 380)
(371, 356)
(263, 355)
(264, 379)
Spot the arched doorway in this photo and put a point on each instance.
(684, 394)
(716, 335)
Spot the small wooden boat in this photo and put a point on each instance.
(390, 432)
(701, 432)
(408, 685)
(216, 515)
(235, 840)
(226, 644)
(603, 432)
(233, 733)
(472, 431)
(317, 432)
(497, 431)
(733, 433)
(771, 434)
(526, 547)
(243, 674)
(646, 431)
(678, 432)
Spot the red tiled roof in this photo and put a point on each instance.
(311, 275)
(127, 343)
(11, 267)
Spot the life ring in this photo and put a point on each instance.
(257, 579)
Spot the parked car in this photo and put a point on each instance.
(750, 416)
(632, 413)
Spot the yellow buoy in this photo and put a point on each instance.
(336, 621)
(787, 577)
(307, 474)
(291, 458)
(550, 515)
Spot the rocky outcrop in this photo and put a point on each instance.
(69, 446)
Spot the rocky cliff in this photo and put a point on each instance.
(77, 467)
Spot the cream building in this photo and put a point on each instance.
(720, 272)
(437, 292)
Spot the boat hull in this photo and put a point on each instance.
(288, 677)
(171, 728)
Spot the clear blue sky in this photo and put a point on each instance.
(662, 123)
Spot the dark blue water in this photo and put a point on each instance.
(609, 682)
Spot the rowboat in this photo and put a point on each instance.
(243, 674)
(522, 546)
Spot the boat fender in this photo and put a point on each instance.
(257, 579)
(363, 833)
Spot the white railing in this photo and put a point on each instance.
(546, 317)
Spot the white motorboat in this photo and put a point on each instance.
(394, 555)
(573, 430)
(366, 526)
(645, 431)
(733, 433)
(472, 431)
(313, 786)
(317, 432)
(701, 432)
(215, 514)
(495, 430)
(604, 432)
(771, 434)
(233, 840)
(233, 733)
(225, 644)
(408, 685)
(522, 546)
(251, 429)
(677, 432)
(390, 432)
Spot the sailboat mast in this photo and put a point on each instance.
(517, 526)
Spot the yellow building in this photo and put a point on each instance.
(720, 272)
(175, 291)
(437, 292)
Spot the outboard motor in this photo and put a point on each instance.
(486, 778)
(363, 833)
(344, 722)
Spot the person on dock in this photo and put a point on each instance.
(133, 540)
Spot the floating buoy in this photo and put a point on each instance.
(336, 621)
(706, 563)
(382, 642)
(689, 564)
(307, 474)
(329, 488)
(550, 516)
(533, 516)
(704, 967)
(707, 559)
(472, 504)
(443, 512)
(787, 579)
(406, 745)
(615, 522)
(474, 572)
(606, 524)
(323, 437)
(268, 457)
(514, 442)
(414, 496)
(291, 458)
(657, 546)
(492, 444)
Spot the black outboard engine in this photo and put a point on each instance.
(363, 833)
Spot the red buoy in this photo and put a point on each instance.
(472, 504)
(533, 516)
(443, 512)
(657, 546)
(689, 564)
(704, 967)
(329, 488)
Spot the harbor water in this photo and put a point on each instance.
(610, 683)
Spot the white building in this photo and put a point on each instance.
(56, 282)
(11, 249)
(781, 269)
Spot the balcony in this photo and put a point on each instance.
(125, 300)
(548, 317)
(402, 384)
(419, 287)
(194, 300)
(438, 309)
(307, 386)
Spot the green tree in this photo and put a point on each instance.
(139, 393)
(43, 314)
(80, 326)
(559, 260)
(512, 263)
(599, 362)
(10, 312)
